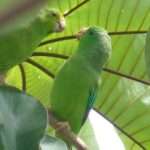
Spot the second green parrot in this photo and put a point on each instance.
(18, 45)
(76, 84)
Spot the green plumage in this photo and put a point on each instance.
(76, 84)
(18, 45)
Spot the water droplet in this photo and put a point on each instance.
(49, 48)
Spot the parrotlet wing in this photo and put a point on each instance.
(91, 100)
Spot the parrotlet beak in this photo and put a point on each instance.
(61, 25)
(81, 32)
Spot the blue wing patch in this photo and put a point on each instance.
(91, 100)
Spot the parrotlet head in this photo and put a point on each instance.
(56, 19)
(96, 42)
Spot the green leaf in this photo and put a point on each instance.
(22, 120)
(128, 108)
(51, 143)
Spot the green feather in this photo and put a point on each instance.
(70, 93)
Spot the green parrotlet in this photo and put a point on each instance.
(18, 45)
(76, 84)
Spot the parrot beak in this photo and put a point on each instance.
(61, 25)
(81, 32)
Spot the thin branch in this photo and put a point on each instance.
(121, 130)
(72, 37)
(126, 76)
(57, 40)
(66, 132)
(49, 55)
(40, 67)
(75, 8)
(128, 32)
(23, 76)
(18, 10)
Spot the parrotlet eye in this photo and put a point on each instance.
(91, 33)
(54, 14)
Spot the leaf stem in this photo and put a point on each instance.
(35, 54)
(126, 76)
(75, 8)
(23, 76)
(40, 67)
(57, 40)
